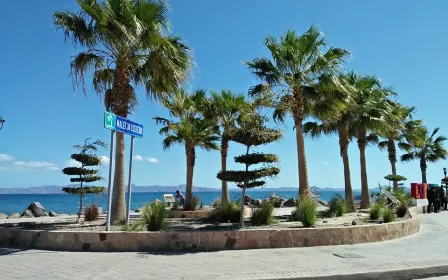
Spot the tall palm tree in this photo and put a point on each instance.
(226, 109)
(371, 113)
(397, 132)
(298, 61)
(125, 45)
(189, 129)
(336, 120)
(426, 147)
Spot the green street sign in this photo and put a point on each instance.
(109, 121)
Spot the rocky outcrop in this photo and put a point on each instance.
(290, 203)
(35, 209)
(52, 214)
(14, 216)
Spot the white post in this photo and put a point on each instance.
(109, 186)
(128, 210)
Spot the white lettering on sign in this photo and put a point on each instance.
(129, 127)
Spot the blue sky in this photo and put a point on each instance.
(404, 43)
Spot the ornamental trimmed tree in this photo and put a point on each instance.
(395, 179)
(82, 174)
(252, 133)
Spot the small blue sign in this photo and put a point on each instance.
(128, 127)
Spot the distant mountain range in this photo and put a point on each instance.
(167, 189)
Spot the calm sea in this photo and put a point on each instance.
(68, 204)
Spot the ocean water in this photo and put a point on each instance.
(69, 204)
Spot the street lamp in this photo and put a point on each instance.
(2, 121)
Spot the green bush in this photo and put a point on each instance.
(154, 216)
(194, 203)
(262, 215)
(375, 211)
(388, 215)
(403, 196)
(139, 226)
(402, 210)
(175, 205)
(306, 211)
(337, 207)
(216, 203)
(226, 212)
(91, 213)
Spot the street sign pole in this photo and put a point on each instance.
(109, 187)
(128, 210)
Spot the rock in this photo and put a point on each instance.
(27, 214)
(247, 199)
(52, 214)
(3, 216)
(322, 202)
(289, 203)
(353, 223)
(13, 216)
(37, 210)
(325, 222)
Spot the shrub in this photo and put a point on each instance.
(338, 207)
(139, 226)
(402, 210)
(91, 213)
(262, 215)
(375, 211)
(154, 216)
(216, 203)
(403, 196)
(176, 205)
(194, 203)
(226, 212)
(388, 215)
(306, 211)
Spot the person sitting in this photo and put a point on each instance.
(181, 198)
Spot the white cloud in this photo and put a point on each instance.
(153, 160)
(5, 157)
(33, 166)
(73, 163)
(36, 164)
(149, 159)
(105, 159)
(138, 158)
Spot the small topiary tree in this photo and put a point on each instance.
(252, 132)
(86, 158)
(394, 178)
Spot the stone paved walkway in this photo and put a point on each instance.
(294, 263)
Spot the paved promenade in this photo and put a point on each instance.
(427, 249)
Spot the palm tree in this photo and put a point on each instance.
(426, 147)
(297, 64)
(125, 45)
(226, 109)
(370, 117)
(336, 120)
(190, 129)
(397, 132)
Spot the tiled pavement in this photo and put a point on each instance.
(427, 249)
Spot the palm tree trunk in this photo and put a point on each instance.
(224, 189)
(119, 103)
(365, 197)
(191, 157)
(393, 160)
(118, 212)
(423, 169)
(298, 114)
(343, 143)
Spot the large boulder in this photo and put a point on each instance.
(52, 214)
(289, 203)
(36, 209)
(13, 216)
(27, 214)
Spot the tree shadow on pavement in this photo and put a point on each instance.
(7, 251)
